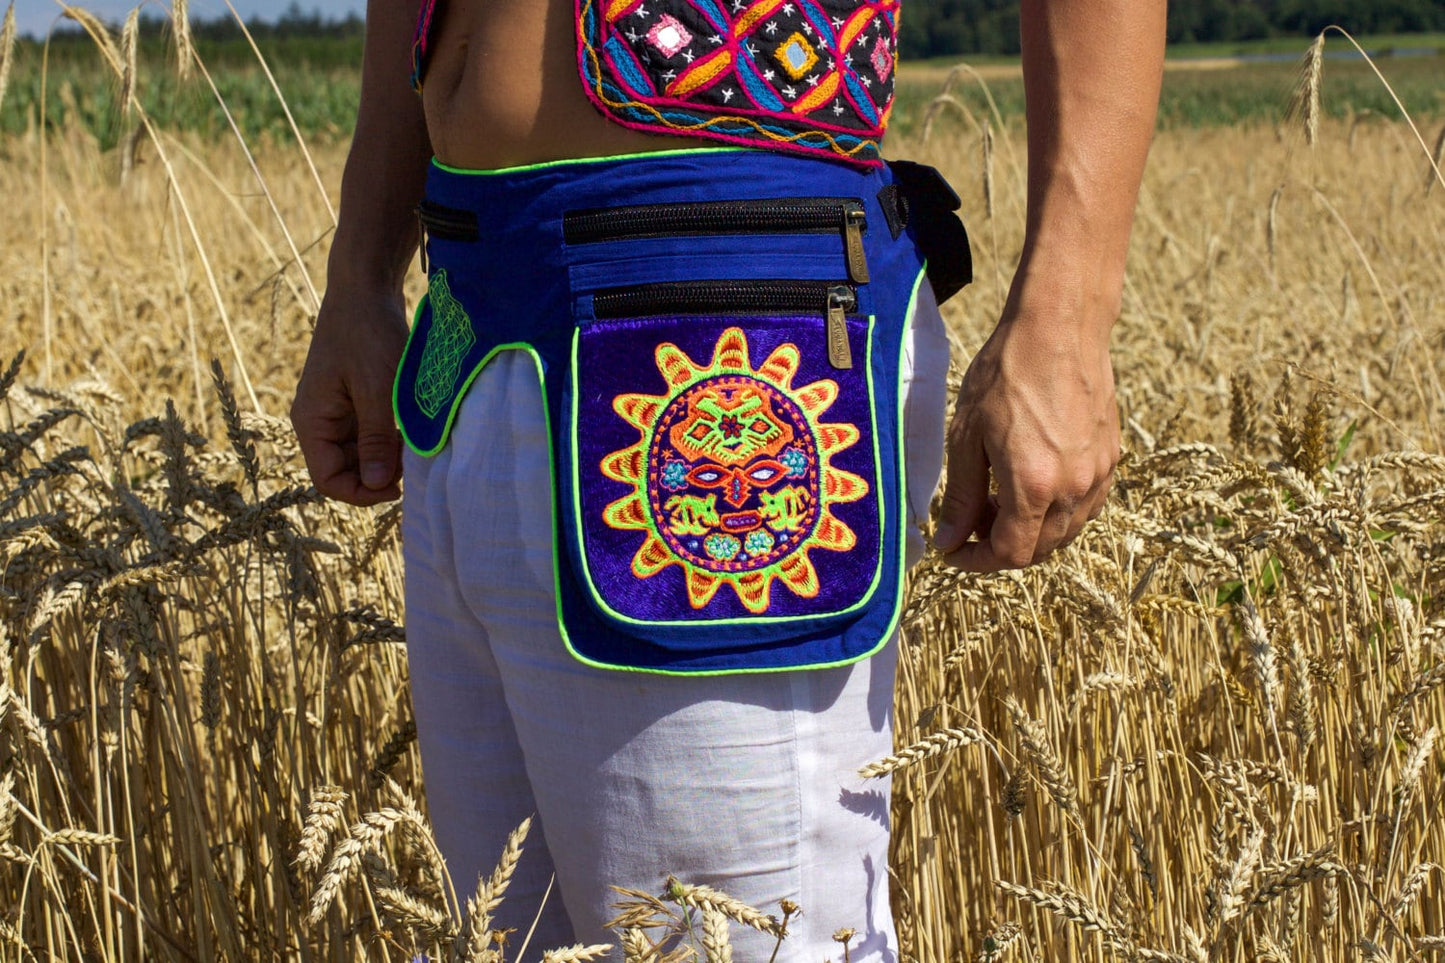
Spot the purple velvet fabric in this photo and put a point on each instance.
(618, 358)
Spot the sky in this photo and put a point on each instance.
(35, 17)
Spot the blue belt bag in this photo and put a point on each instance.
(718, 334)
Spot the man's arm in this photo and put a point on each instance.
(1037, 405)
(342, 412)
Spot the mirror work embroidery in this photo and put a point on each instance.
(807, 76)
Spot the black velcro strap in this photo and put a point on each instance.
(895, 209)
(448, 223)
(930, 207)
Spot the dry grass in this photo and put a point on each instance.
(1208, 731)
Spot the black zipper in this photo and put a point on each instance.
(834, 300)
(783, 215)
(446, 223)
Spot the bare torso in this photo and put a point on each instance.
(502, 89)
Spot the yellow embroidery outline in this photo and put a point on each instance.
(811, 61)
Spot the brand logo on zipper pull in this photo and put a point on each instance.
(840, 301)
(855, 222)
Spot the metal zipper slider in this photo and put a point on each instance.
(841, 300)
(421, 236)
(855, 221)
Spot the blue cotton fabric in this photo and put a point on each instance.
(520, 285)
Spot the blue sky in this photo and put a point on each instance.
(35, 17)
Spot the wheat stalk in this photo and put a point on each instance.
(404, 907)
(1278, 878)
(490, 890)
(1410, 889)
(1236, 883)
(936, 744)
(1047, 765)
(988, 188)
(1305, 104)
(636, 948)
(1070, 906)
(7, 56)
(129, 35)
(347, 860)
(8, 807)
(324, 818)
(1437, 156)
(577, 954)
(78, 837)
(706, 898)
(91, 24)
(185, 46)
(1414, 765)
(716, 946)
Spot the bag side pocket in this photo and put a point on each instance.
(724, 474)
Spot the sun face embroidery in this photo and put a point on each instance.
(732, 476)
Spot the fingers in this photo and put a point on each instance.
(1009, 542)
(1031, 524)
(378, 445)
(966, 508)
(352, 454)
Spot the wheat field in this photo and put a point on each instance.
(1209, 731)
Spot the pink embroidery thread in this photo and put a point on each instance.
(669, 36)
(805, 76)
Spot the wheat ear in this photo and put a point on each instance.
(705, 898)
(945, 740)
(1050, 769)
(716, 946)
(490, 890)
(7, 49)
(323, 820)
(577, 953)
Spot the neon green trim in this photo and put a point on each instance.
(887, 634)
(460, 393)
(567, 162)
(559, 554)
(396, 379)
(902, 503)
(580, 532)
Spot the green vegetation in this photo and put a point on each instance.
(1253, 93)
(933, 28)
(319, 78)
(1380, 45)
(318, 74)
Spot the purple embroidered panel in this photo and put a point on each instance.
(724, 471)
(808, 76)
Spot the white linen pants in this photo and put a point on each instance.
(745, 782)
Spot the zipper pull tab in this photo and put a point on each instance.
(855, 221)
(421, 237)
(841, 300)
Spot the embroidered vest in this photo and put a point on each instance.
(811, 77)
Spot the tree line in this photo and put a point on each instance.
(939, 28)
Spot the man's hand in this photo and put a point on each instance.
(342, 412)
(1037, 405)
(1037, 409)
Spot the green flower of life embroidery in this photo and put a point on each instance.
(447, 343)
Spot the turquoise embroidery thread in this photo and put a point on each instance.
(448, 342)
